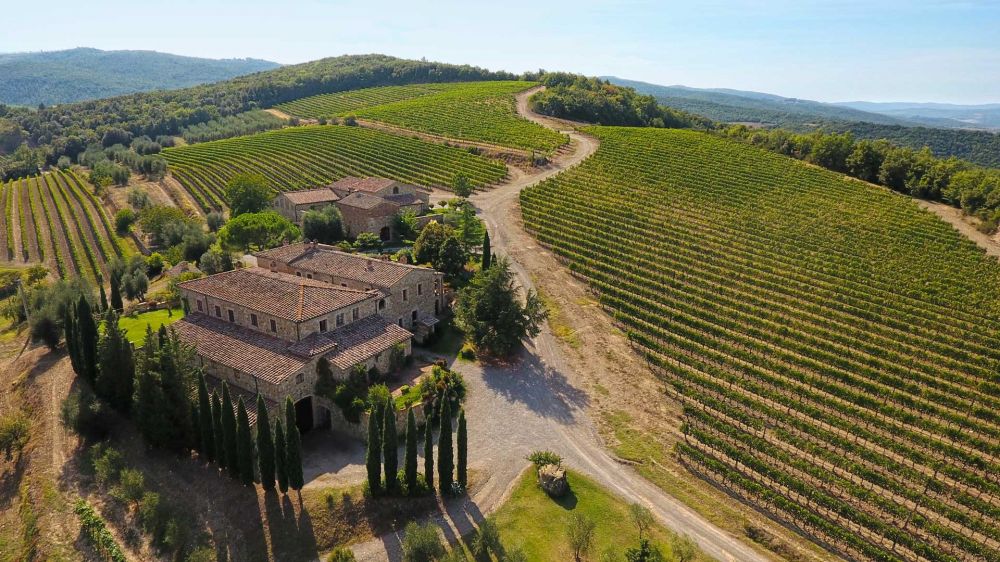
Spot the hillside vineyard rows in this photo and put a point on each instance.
(835, 348)
(474, 111)
(60, 223)
(303, 157)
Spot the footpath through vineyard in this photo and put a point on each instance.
(544, 399)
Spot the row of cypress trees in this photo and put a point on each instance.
(225, 437)
(381, 455)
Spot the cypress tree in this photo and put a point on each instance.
(280, 459)
(446, 460)
(229, 433)
(390, 446)
(116, 291)
(293, 447)
(206, 425)
(196, 424)
(72, 337)
(428, 453)
(410, 457)
(116, 367)
(462, 445)
(104, 297)
(373, 455)
(487, 255)
(87, 329)
(244, 443)
(265, 446)
(217, 433)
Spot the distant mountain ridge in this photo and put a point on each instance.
(961, 131)
(54, 77)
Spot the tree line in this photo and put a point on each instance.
(918, 173)
(47, 133)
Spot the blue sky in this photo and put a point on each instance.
(944, 51)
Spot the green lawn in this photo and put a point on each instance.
(135, 328)
(537, 524)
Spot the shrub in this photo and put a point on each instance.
(15, 429)
(367, 241)
(214, 221)
(341, 555)
(542, 458)
(487, 540)
(422, 543)
(468, 352)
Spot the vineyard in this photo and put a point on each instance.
(56, 220)
(836, 349)
(302, 157)
(474, 111)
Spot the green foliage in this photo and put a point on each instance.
(542, 458)
(390, 446)
(427, 248)
(422, 543)
(487, 252)
(265, 446)
(462, 450)
(325, 225)
(82, 412)
(429, 455)
(244, 444)
(218, 433)
(645, 552)
(475, 111)
(86, 342)
(373, 455)
(248, 193)
(404, 224)
(206, 423)
(341, 554)
(97, 533)
(580, 535)
(451, 258)
(461, 186)
(441, 385)
(245, 123)
(410, 454)
(258, 231)
(293, 448)
(15, 429)
(490, 313)
(486, 542)
(116, 366)
(124, 220)
(164, 383)
(232, 462)
(446, 458)
(280, 456)
(367, 241)
(576, 97)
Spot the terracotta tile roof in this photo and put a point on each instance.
(311, 196)
(277, 294)
(181, 268)
(249, 398)
(404, 199)
(313, 344)
(363, 339)
(325, 259)
(239, 348)
(362, 200)
(370, 185)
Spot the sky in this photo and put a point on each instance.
(874, 50)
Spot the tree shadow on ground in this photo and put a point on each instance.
(289, 528)
(526, 379)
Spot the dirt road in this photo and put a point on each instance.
(537, 402)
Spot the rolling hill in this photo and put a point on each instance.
(84, 74)
(946, 136)
(830, 341)
(986, 116)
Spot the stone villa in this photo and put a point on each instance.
(264, 329)
(367, 204)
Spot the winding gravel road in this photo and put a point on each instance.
(533, 404)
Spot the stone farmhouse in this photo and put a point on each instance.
(367, 204)
(264, 332)
(410, 296)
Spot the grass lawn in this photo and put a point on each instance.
(135, 327)
(536, 523)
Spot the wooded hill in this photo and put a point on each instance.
(84, 74)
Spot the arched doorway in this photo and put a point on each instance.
(304, 414)
(385, 234)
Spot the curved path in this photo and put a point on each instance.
(532, 402)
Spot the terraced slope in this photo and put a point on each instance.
(474, 111)
(302, 157)
(61, 224)
(836, 349)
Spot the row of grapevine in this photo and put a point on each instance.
(303, 157)
(836, 349)
(61, 224)
(473, 111)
